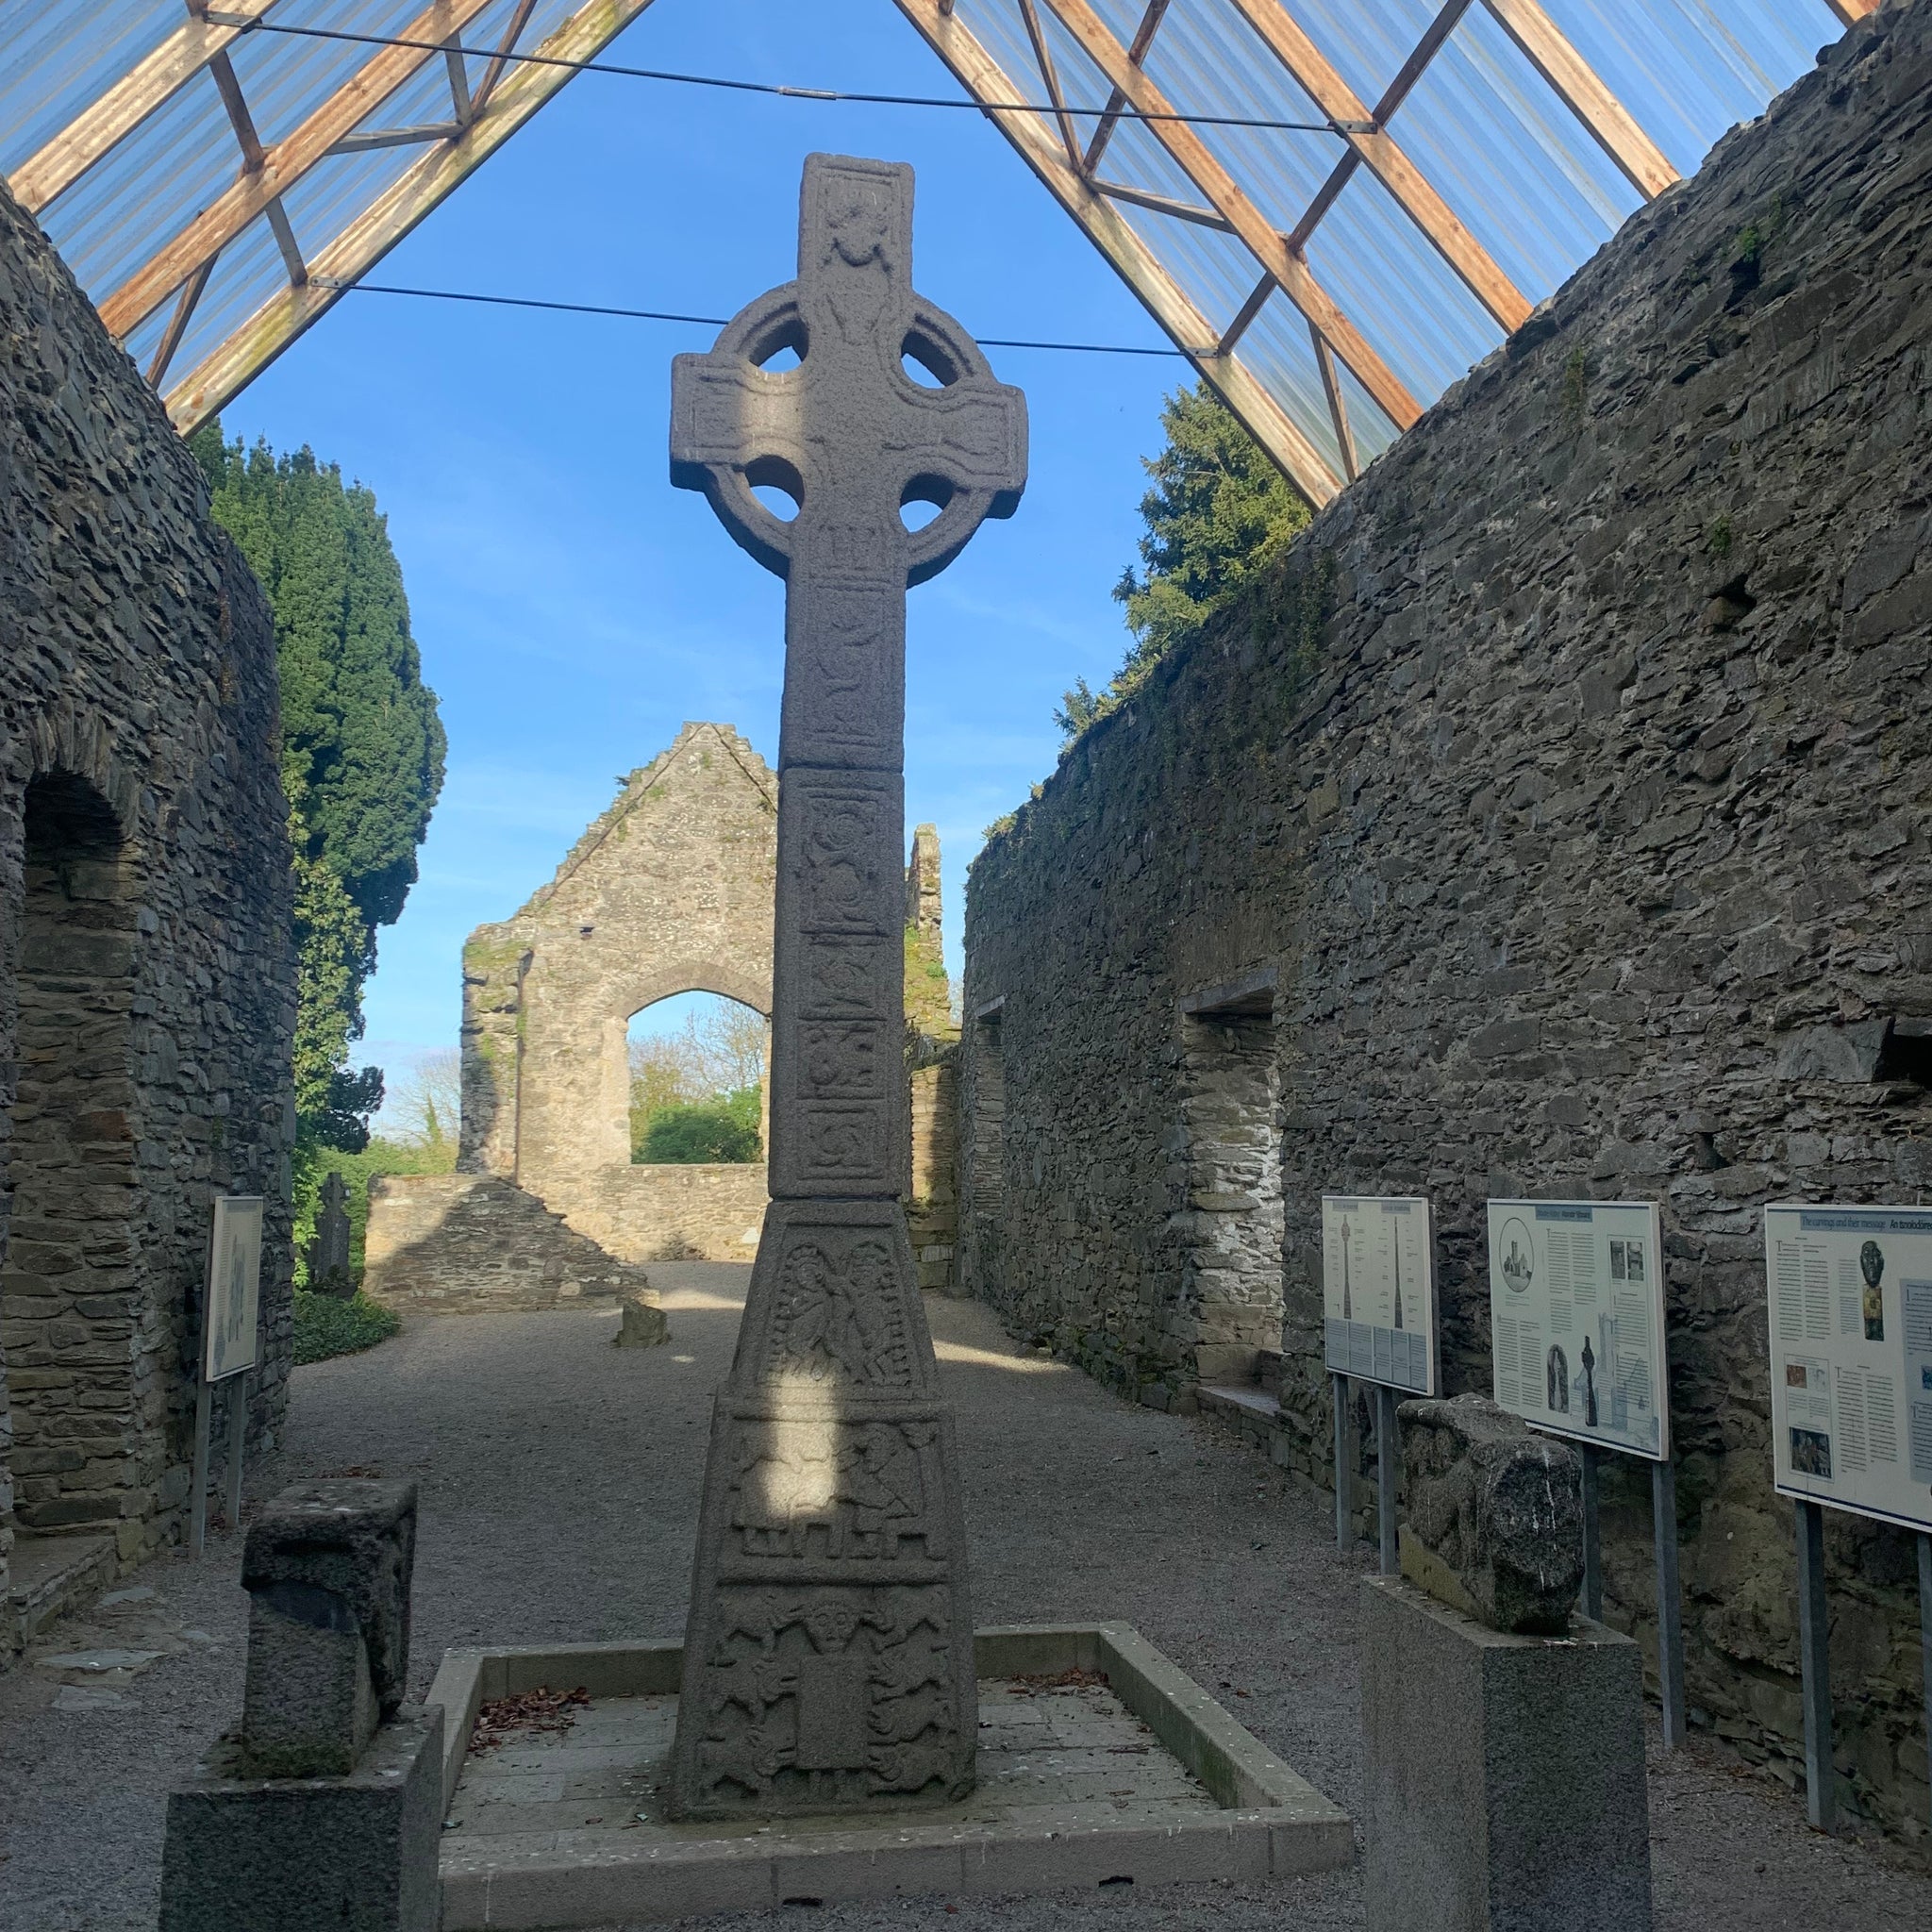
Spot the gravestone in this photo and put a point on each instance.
(828, 1658)
(328, 1253)
(323, 1808)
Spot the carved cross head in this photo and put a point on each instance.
(849, 434)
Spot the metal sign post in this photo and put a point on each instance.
(1339, 1384)
(1849, 1306)
(1388, 1455)
(1378, 1303)
(230, 1344)
(1592, 1542)
(1577, 1317)
(1670, 1628)
(1814, 1663)
(1925, 1639)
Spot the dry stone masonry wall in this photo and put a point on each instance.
(1572, 776)
(146, 968)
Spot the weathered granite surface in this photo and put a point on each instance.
(1503, 1781)
(1573, 771)
(146, 968)
(328, 1566)
(1496, 1511)
(828, 1658)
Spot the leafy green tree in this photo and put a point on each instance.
(725, 1128)
(362, 748)
(1219, 514)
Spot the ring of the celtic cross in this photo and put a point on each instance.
(774, 324)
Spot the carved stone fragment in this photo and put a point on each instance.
(1495, 1514)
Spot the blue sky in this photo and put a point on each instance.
(573, 609)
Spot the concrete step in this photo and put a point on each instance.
(49, 1577)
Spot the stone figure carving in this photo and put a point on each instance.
(1872, 1266)
(1496, 1513)
(828, 1659)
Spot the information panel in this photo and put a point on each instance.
(234, 1286)
(1576, 1318)
(1850, 1291)
(1379, 1290)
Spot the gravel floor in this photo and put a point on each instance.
(559, 1484)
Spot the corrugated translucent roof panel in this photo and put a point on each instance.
(1358, 199)
(1487, 149)
(115, 133)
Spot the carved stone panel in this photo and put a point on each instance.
(821, 1666)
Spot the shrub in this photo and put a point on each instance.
(326, 1326)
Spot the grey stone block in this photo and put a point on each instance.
(644, 1324)
(1503, 1773)
(327, 1568)
(1495, 1513)
(352, 1854)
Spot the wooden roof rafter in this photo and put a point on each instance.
(1221, 192)
(1378, 150)
(109, 120)
(522, 91)
(283, 165)
(1130, 257)
(1608, 122)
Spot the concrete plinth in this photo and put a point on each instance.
(1100, 1764)
(351, 1853)
(1502, 1785)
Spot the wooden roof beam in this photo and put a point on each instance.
(1218, 189)
(1257, 411)
(1338, 405)
(283, 165)
(500, 60)
(1043, 56)
(1608, 122)
(1164, 204)
(117, 113)
(1379, 153)
(1116, 101)
(228, 368)
(1393, 95)
(1851, 11)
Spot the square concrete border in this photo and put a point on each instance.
(1272, 1823)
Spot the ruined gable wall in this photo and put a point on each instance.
(669, 891)
(137, 657)
(1573, 774)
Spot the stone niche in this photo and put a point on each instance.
(1570, 774)
(146, 968)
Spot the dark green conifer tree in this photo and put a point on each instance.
(362, 747)
(1218, 513)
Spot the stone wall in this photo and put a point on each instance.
(932, 1059)
(468, 1243)
(669, 891)
(1570, 778)
(146, 970)
(674, 1211)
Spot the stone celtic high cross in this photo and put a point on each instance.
(828, 1659)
